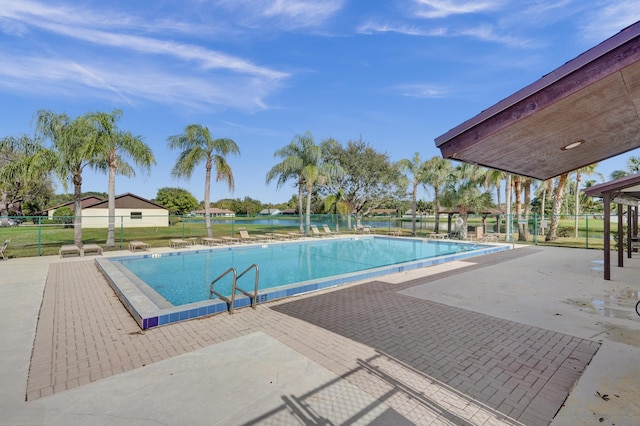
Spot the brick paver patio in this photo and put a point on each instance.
(432, 363)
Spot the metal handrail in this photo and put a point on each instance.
(212, 290)
(254, 297)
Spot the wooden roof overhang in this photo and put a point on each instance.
(592, 100)
(623, 191)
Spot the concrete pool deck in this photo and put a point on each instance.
(498, 339)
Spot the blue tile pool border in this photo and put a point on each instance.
(149, 309)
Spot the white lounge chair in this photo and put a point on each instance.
(91, 248)
(69, 249)
(138, 245)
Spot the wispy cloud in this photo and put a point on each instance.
(76, 79)
(421, 90)
(286, 14)
(608, 20)
(185, 73)
(444, 8)
(372, 27)
(485, 32)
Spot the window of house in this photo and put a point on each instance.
(136, 215)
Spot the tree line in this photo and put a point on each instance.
(328, 176)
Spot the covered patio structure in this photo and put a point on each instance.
(581, 113)
(623, 192)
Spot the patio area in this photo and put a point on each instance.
(530, 336)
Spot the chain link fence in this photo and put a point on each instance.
(40, 236)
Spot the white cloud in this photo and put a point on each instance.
(120, 64)
(610, 19)
(425, 91)
(286, 14)
(371, 28)
(444, 8)
(55, 77)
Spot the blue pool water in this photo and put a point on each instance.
(163, 288)
(186, 278)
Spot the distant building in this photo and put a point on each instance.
(214, 211)
(269, 212)
(289, 211)
(131, 211)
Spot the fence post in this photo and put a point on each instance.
(121, 231)
(39, 236)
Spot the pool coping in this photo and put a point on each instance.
(149, 309)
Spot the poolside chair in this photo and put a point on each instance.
(315, 232)
(91, 248)
(138, 245)
(229, 240)
(328, 230)
(206, 241)
(3, 249)
(178, 242)
(244, 236)
(69, 249)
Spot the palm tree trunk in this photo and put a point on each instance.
(77, 209)
(415, 206)
(207, 199)
(436, 227)
(577, 199)
(308, 227)
(557, 206)
(111, 230)
(509, 222)
(300, 207)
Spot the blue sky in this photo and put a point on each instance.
(397, 73)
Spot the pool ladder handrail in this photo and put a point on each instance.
(234, 287)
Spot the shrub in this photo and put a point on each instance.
(63, 215)
(566, 231)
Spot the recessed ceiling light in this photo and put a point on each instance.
(572, 145)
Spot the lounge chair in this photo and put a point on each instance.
(315, 232)
(138, 245)
(91, 248)
(230, 240)
(206, 241)
(328, 230)
(3, 249)
(178, 242)
(244, 236)
(69, 249)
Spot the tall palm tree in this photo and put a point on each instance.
(291, 168)
(115, 147)
(74, 148)
(302, 160)
(437, 170)
(417, 169)
(462, 189)
(588, 171)
(557, 205)
(338, 204)
(197, 145)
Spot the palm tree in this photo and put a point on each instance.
(557, 205)
(462, 190)
(303, 161)
(586, 170)
(437, 169)
(74, 149)
(197, 145)
(417, 168)
(115, 146)
(290, 168)
(338, 204)
(494, 178)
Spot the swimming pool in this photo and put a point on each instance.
(160, 289)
